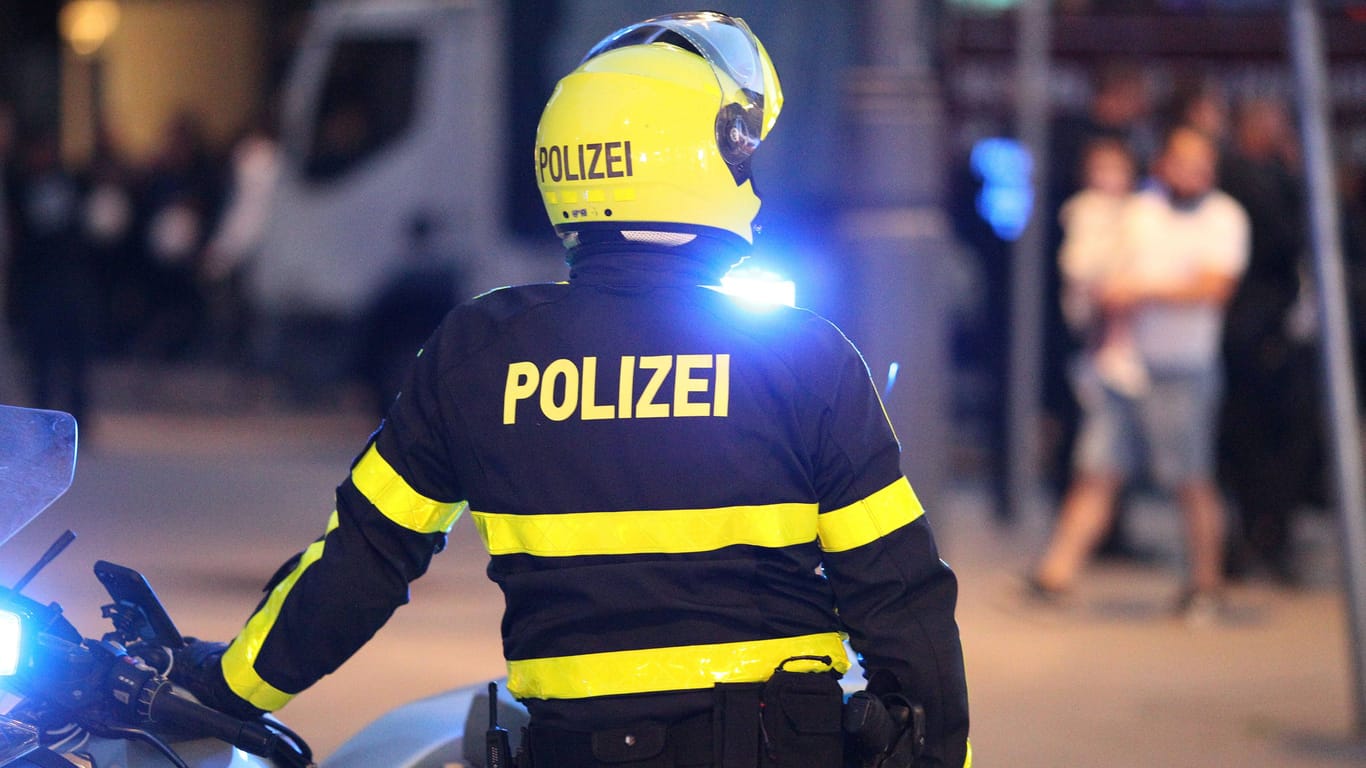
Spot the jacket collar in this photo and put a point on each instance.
(636, 265)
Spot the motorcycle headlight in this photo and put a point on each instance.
(11, 642)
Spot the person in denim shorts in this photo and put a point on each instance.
(1184, 248)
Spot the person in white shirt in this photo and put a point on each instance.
(1186, 246)
(1092, 256)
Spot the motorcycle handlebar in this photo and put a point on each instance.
(166, 706)
(151, 697)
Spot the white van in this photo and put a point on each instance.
(391, 129)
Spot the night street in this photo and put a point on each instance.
(1075, 303)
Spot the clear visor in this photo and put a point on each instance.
(728, 46)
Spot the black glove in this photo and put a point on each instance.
(197, 668)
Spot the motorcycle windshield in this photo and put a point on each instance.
(37, 463)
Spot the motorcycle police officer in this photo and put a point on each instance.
(688, 506)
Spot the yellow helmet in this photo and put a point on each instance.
(651, 136)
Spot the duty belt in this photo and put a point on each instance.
(685, 744)
(792, 720)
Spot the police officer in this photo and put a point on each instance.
(688, 505)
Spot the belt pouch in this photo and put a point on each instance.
(735, 729)
(802, 720)
(637, 745)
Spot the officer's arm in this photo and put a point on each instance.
(894, 594)
(896, 597)
(393, 512)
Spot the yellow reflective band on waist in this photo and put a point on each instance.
(967, 762)
(871, 518)
(239, 661)
(638, 532)
(686, 667)
(397, 500)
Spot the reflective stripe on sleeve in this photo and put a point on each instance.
(396, 500)
(871, 518)
(240, 659)
(637, 532)
(687, 667)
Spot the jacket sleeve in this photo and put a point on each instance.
(393, 511)
(895, 596)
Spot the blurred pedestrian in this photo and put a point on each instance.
(178, 206)
(1092, 257)
(1187, 245)
(236, 241)
(1267, 431)
(981, 338)
(108, 231)
(1200, 103)
(50, 280)
(7, 129)
(405, 311)
(1352, 183)
(1119, 109)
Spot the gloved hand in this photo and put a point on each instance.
(197, 668)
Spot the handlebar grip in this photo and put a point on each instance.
(168, 707)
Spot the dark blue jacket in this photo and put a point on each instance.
(675, 490)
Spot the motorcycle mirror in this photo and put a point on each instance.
(60, 544)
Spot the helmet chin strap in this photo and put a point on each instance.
(707, 243)
(691, 264)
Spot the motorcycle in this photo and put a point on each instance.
(107, 702)
(104, 701)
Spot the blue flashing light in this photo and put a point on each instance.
(11, 642)
(892, 371)
(1007, 197)
(759, 288)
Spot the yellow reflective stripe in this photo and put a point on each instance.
(637, 532)
(967, 762)
(686, 667)
(397, 500)
(871, 518)
(240, 659)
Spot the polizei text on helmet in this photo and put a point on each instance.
(577, 162)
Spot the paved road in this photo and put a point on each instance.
(208, 506)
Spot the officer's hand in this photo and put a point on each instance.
(197, 668)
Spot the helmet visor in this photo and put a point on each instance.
(726, 43)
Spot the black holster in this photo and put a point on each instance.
(801, 718)
(882, 732)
